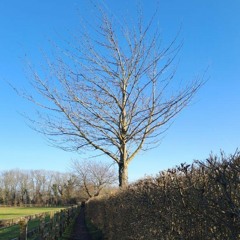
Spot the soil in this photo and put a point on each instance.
(80, 231)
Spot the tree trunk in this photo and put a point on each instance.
(123, 175)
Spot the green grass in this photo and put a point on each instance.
(9, 233)
(95, 233)
(68, 231)
(17, 212)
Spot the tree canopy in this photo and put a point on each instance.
(112, 91)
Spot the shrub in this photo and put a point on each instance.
(198, 201)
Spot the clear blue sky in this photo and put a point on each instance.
(211, 34)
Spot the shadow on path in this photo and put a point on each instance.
(80, 231)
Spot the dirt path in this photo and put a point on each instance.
(80, 230)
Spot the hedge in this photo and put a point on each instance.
(198, 201)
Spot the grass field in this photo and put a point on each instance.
(17, 212)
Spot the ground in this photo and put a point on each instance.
(80, 231)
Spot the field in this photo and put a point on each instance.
(17, 212)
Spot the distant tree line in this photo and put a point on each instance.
(19, 187)
(42, 187)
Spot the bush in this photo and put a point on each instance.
(198, 201)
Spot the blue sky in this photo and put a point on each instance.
(210, 31)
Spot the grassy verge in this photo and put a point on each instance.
(13, 231)
(17, 212)
(68, 231)
(96, 234)
(9, 233)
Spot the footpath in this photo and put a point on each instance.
(80, 231)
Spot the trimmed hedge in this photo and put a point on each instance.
(198, 201)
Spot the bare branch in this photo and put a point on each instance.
(114, 92)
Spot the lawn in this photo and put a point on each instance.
(17, 212)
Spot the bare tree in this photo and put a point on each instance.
(19, 187)
(93, 176)
(112, 91)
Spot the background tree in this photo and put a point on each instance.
(93, 177)
(112, 91)
(21, 187)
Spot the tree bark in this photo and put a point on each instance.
(123, 175)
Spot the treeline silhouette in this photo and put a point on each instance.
(39, 187)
